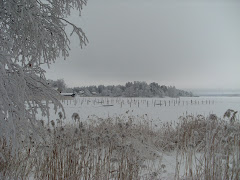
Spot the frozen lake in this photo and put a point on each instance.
(155, 109)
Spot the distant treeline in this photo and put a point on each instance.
(130, 89)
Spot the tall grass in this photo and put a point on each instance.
(100, 149)
(128, 147)
(209, 148)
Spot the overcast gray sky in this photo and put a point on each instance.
(186, 43)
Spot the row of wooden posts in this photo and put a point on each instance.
(132, 102)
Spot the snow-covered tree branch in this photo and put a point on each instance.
(32, 33)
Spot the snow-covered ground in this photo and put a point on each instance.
(155, 109)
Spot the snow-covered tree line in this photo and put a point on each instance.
(130, 89)
(133, 89)
(32, 33)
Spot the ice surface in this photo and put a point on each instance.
(113, 107)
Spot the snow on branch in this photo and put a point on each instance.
(32, 33)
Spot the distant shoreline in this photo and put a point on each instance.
(219, 95)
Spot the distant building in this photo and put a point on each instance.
(68, 94)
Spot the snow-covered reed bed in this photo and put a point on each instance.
(129, 147)
(101, 149)
(209, 147)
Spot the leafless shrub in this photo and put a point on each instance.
(60, 115)
(76, 117)
(231, 115)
